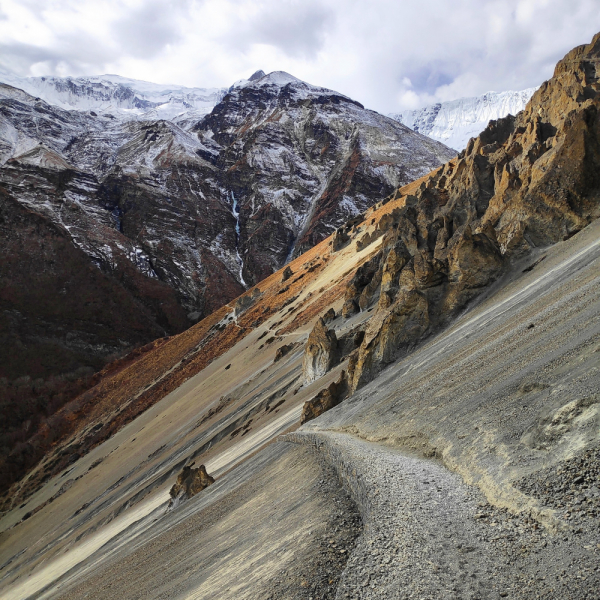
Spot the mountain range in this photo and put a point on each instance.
(408, 409)
(121, 97)
(165, 220)
(455, 122)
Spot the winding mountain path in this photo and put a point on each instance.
(428, 535)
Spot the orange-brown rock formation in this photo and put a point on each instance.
(190, 482)
(331, 396)
(320, 352)
(525, 182)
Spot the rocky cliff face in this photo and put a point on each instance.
(320, 353)
(186, 220)
(524, 183)
(304, 159)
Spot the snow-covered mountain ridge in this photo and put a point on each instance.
(453, 123)
(180, 215)
(121, 97)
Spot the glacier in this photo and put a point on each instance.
(455, 122)
(120, 97)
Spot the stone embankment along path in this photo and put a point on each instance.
(428, 535)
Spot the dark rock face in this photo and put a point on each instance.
(527, 181)
(282, 351)
(287, 273)
(189, 483)
(306, 159)
(326, 399)
(185, 219)
(329, 316)
(60, 312)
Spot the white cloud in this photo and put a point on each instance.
(389, 55)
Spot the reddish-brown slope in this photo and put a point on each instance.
(131, 385)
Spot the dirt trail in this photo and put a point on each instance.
(428, 535)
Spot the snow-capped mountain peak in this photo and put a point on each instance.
(120, 96)
(454, 122)
(260, 79)
(257, 75)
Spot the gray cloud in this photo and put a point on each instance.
(145, 31)
(72, 56)
(295, 28)
(389, 55)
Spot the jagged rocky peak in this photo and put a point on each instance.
(257, 75)
(455, 232)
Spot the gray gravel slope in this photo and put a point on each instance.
(427, 535)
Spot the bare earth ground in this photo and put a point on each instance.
(280, 527)
(507, 402)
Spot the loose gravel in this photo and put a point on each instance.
(571, 487)
(429, 536)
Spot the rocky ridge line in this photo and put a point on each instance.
(526, 182)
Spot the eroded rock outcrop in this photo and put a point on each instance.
(327, 398)
(361, 288)
(389, 332)
(189, 483)
(320, 353)
(282, 351)
(329, 316)
(525, 182)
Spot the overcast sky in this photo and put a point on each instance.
(390, 55)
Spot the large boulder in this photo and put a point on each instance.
(326, 399)
(189, 483)
(320, 353)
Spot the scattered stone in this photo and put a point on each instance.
(189, 483)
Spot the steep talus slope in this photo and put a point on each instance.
(465, 318)
(455, 122)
